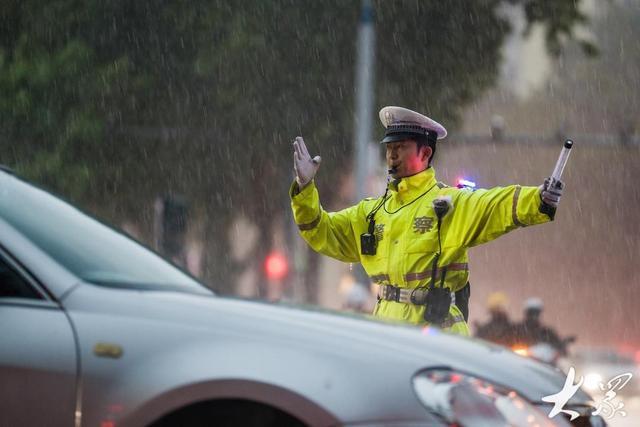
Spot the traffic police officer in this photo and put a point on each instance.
(413, 241)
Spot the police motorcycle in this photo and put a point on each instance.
(544, 351)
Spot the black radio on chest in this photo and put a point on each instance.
(367, 244)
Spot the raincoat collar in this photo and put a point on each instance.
(417, 183)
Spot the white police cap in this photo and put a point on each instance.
(402, 123)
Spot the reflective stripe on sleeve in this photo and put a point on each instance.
(311, 225)
(514, 208)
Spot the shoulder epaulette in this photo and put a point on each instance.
(441, 185)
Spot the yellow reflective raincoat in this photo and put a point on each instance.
(407, 236)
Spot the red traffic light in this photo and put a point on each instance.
(276, 266)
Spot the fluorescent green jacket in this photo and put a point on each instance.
(407, 237)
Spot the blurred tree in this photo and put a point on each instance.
(125, 100)
(595, 97)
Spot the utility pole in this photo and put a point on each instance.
(364, 111)
(170, 227)
(364, 97)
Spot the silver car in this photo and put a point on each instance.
(97, 330)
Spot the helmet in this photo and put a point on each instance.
(497, 301)
(533, 304)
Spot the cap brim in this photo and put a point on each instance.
(395, 137)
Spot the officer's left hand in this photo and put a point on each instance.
(551, 192)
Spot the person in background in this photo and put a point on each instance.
(532, 331)
(499, 329)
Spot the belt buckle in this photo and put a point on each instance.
(418, 297)
(392, 293)
(396, 294)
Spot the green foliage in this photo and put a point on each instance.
(560, 18)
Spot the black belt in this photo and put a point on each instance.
(405, 295)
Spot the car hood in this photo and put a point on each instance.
(342, 335)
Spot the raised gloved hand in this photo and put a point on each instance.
(303, 164)
(551, 192)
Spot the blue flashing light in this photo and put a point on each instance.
(430, 330)
(464, 183)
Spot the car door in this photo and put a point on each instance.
(37, 353)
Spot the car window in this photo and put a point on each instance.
(86, 247)
(13, 285)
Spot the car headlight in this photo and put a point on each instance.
(473, 402)
(592, 381)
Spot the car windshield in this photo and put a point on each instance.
(86, 247)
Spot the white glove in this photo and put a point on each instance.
(551, 192)
(303, 164)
